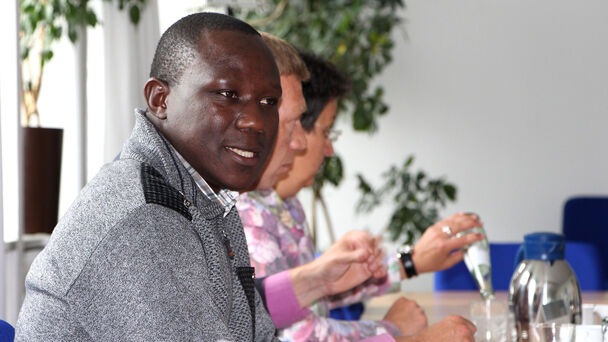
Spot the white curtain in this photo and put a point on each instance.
(9, 145)
(129, 51)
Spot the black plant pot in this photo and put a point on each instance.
(42, 170)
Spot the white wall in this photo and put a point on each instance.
(507, 99)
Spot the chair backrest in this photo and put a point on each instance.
(586, 261)
(7, 332)
(584, 258)
(585, 219)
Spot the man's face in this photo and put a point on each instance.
(319, 146)
(290, 137)
(222, 116)
(307, 163)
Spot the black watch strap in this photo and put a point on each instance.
(405, 255)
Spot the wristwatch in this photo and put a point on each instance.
(405, 255)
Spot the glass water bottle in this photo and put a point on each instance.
(477, 259)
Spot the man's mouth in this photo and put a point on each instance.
(242, 153)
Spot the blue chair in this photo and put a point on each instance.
(7, 332)
(586, 261)
(585, 219)
(348, 313)
(584, 258)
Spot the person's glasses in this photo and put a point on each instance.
(332, 134)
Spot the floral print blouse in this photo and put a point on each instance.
(278, 239)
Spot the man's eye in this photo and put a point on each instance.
(228, 93)
(271, 101)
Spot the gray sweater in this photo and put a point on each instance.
(139, 256)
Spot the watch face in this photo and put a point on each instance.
(405, 249)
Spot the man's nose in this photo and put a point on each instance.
(250, 118)
(298, 139)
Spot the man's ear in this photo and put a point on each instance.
(156, 92)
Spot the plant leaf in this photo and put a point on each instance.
(134, 14)
(450, 191)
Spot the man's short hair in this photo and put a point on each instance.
(325, 84)
(178, 47)
(286, 56)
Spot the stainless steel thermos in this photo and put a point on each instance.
(544, 287)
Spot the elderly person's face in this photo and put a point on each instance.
(223, 115)
(307, 162)
(290, 137)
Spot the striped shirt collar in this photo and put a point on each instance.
(225, 197)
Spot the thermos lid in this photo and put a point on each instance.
(544, 246)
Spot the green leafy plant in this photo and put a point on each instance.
(42, 23)
(416, 197)
(355, 35)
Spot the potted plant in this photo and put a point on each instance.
(42, 23)
(417, 199)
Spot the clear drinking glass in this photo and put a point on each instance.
(551, 332)
(491, 317)
(567, 332)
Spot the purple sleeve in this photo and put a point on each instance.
(379, 338)
(281, 300)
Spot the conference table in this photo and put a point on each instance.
(438, 305)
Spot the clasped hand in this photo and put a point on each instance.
(353, 259)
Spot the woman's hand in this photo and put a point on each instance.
(438, 249)
(452, 328)
(407, 316)
(353, 259)
(350, 261)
